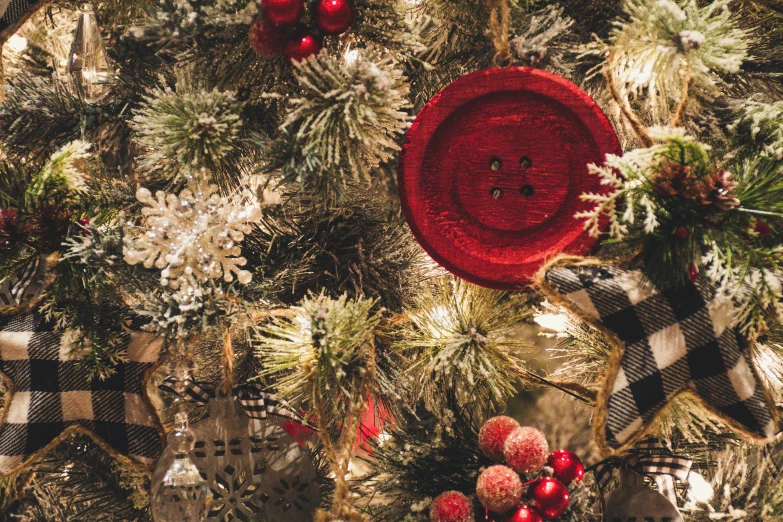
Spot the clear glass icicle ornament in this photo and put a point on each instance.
(183, 495)
(88, 64)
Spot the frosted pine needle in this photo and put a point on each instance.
(325, 341)
(759, 128)
(63, 175)
(349, 117)
(660, 40)
(460, 340)
(186, 130)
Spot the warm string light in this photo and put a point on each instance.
(699, 489)
(16, 44)
(555, 322)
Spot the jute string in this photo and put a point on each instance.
(498, 28)
(625, 106)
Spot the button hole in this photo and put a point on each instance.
(527, 190)
(525, 162)
(495, 164)
(496, 193)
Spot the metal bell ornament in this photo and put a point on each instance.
(633, 500)
(181, 493)
(254, 469)
(88, 64)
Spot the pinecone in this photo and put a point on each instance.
(12, 230)
(719, 190)
(50, 225)
(675, 179)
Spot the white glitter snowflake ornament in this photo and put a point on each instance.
(192, 237)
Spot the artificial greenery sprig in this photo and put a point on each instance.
(686, 216)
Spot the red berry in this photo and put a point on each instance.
(693, 273)
(499, 489)
(493, 436)
(681, 233)
(567, 466)
(266, 38)
(762, 229)
(301, 47)
(282, 12)
(524, 514)
(333, 16)
(551, 497)
(526, 450)
(451, 506)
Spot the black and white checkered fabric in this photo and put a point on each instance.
(255, 402)
(192, 391)
(54, 392)
(650, 459)
(12, 11)
(258, 404)
(23, 287)
(675, 339)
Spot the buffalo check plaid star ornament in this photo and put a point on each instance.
(13, 13)
(52, 396)
(667, 341)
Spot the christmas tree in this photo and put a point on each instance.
(391, 260)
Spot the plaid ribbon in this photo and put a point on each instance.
(255, 402)
(651, 460)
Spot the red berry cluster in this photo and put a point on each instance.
(278, 32)
(500, 489)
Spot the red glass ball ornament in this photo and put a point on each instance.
(266, 38)
(526, 450)
(492, 169)
(566, 465)
(681, 233)
(762, 229)
(693, 273)
(524, 514)
(451, 506)
(551, 497)
(493, 436)
(302, 47)
(499, 489)
(333, 16)
(282, 12)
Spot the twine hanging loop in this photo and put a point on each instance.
(498, 28)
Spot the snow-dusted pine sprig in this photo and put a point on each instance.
(192, 16)
(532, 45)
(756, 293)
(63, 177)
(629, 180)
(759, 129)
(348, 119)
(746, 487)
(326, 342)
(661, 42)
(461, 339)
(186, 131)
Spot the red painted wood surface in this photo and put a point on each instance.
(492, 169)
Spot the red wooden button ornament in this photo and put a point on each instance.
(492, 169)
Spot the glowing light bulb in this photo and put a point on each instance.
(16, 43)
(554, 322)
(350, 56)
(699, 490)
